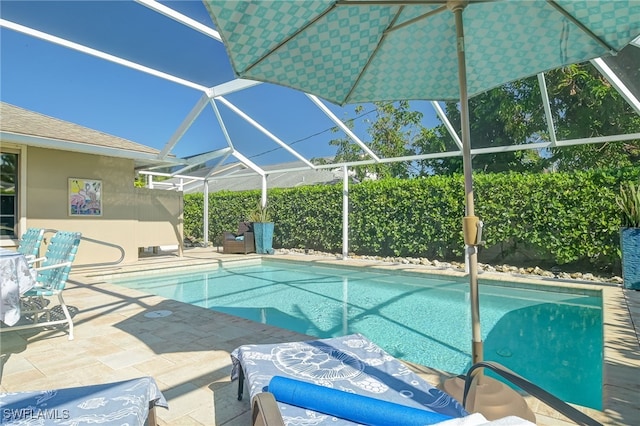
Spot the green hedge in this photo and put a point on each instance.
(564, 217)
(560, 217)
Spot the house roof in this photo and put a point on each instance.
(31, 128)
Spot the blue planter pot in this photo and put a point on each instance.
(630, 246)
(263, 232)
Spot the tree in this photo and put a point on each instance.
(586, 105)
(500, 117)
(393, 132)
(583, 104)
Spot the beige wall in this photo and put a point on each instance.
(131, 218)
(160, 217)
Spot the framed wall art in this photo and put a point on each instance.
(85, 197)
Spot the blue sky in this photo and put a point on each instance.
(57, 81)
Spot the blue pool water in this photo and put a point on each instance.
(552, 338)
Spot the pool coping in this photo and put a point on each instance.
(619, 389)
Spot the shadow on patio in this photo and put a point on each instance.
(187, 352)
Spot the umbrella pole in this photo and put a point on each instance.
(488, 396)
(470, 221)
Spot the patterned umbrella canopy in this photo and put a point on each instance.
(350, 51)
(361, 51)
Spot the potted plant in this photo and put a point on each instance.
(629, 202)
(262, 228)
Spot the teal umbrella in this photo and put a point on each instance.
(351, 51)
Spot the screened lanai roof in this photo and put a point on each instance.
(236, 177)
(182, 94)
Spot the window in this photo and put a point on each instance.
(8, 195)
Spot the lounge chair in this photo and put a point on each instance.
(129, 402)
(283, 382)
(29, 244)
(242, 241)
(51, 278)
(351, 365)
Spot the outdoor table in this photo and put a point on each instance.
(130, 402)
(16, 278)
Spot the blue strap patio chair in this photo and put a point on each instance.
(30, 242)
(51, 280)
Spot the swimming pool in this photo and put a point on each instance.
(552, 338)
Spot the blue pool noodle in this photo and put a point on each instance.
(349, 406)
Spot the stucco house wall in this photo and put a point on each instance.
(131, 218)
